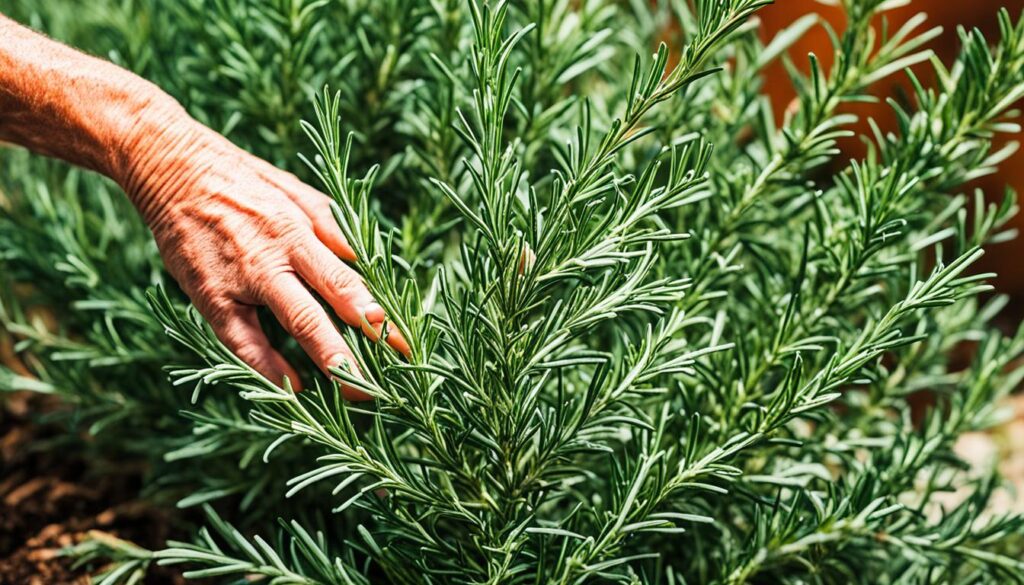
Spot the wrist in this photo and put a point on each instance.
(62, 103)
(157, 153)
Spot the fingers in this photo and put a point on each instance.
(238, 327)
(304, 318)
(373, 327)
(317, 262)
(336, 282)
(344, 290)
(328, 232)
(318, 207)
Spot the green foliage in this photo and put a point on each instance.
(656, 336)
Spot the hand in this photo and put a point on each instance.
(233, 230)
(237, 233)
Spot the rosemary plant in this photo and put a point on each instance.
(657, 335)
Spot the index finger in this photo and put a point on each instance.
(307, 321)
(344, 290)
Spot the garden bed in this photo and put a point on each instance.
(53, 498)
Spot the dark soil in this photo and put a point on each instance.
(52, 498)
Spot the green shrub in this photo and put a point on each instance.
(655, 337)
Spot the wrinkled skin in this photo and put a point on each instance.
(237, 233)
(234, 231)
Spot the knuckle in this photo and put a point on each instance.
(294, 240)
(272, 236)
(281, 234)
(342, 278)
(277, 229)
(304, 319)
(251, 353)
(263, 277)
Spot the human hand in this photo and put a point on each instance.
(233, 230)
(237, 233)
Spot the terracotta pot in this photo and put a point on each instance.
(1003, 259)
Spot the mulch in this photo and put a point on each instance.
(54, 498)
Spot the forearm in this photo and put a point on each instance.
(233, 230)
(59, 102)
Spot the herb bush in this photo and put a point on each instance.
(656, 336)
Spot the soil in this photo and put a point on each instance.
(54, 498)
